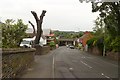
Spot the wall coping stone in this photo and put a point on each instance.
(6, 51)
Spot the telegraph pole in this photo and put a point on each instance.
(104, 38)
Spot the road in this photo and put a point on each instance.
(64, 62)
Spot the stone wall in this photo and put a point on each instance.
(113, 55)
(95, 51)
(15, 61)
(42, 50)
(110, 55)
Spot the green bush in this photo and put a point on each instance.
(115, 44)
(100, 43)
(91, 42)
(95, 41)
(52, 44)
(112, 44)
(108, 40)
(12, 33)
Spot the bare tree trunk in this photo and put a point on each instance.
(39, 25)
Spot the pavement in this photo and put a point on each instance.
(64, 62)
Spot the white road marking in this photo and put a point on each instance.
(86, 64)
(106, 76)
(71, 69)
(87, 57)
(30, 69)
(82, 57)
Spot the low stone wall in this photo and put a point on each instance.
(113, 55)
(15, 61)
(45, 50)
(110, 55)
(42, 50)
(94, 51)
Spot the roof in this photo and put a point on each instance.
(45, 31)
(51, 35)
(66, 39)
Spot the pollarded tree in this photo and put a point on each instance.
(39, 26)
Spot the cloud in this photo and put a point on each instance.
(61, 14)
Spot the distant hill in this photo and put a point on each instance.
(68, 34)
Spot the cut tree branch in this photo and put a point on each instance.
(42, 15)
(35, 15)
(33, 27)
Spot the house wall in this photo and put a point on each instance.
(85, 38)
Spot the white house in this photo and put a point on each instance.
(43, 39)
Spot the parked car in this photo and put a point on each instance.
(71, 47)
(27, 42)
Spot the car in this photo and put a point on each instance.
(27, 43)
(71, 47)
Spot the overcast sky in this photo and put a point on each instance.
(61, 14)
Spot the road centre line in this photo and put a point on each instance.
(106, 76)
(86, 64)
(101, 73)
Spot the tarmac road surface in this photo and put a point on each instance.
(64, 62)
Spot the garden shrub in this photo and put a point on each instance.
(96, 41)
(52, 44)
(12, 33)
(115, 44)
(91, 42)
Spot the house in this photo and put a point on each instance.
(46, 37)
(49, 35)
(82, 41)
(87, 35)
